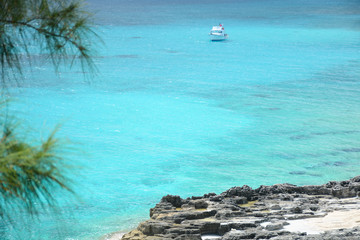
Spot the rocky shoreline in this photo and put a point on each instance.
(281, 211)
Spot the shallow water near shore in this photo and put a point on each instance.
(171, 112)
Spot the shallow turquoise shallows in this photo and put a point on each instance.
(171, 112)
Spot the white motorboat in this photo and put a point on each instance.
(217, 33)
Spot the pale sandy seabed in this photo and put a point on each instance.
(113, 236)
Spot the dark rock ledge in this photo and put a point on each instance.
(246, 213)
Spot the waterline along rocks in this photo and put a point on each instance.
(281, 211)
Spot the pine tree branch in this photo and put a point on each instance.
(46, 32)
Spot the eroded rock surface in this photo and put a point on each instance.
(268, 212)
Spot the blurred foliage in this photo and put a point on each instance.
(29, 174)
(60, 30)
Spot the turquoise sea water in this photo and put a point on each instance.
(171, 112)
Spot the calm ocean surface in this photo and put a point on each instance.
(171, 112)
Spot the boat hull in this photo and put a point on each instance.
(218, 37)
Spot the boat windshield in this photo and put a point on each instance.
(216, 31)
